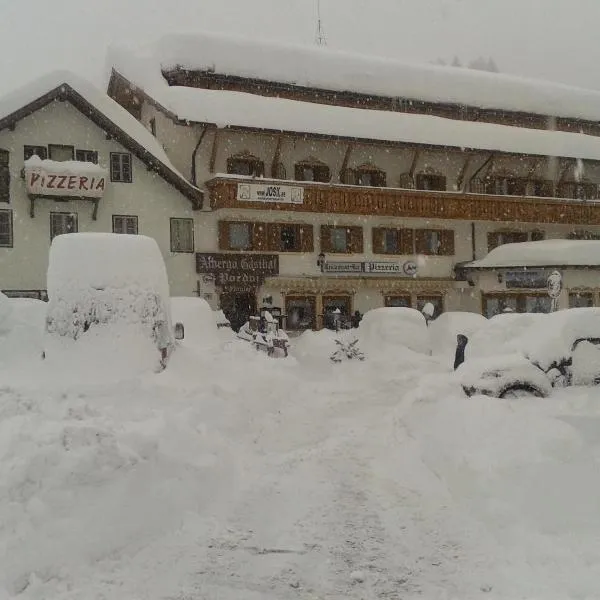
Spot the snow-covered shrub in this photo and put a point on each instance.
(385, 330)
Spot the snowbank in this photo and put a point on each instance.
(21, 330)
(545, 253)
(74, 167)
(384, 331)
(444, 329)
(326, 68)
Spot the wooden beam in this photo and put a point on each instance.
(276, 156)
(213, 154)
(463, 170)
(349, 149)
(487, 165)
(32, 206)
(414, 163)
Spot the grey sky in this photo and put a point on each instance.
(551, 39)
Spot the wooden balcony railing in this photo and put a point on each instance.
(355, 200)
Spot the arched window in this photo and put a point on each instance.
(369, 175)
(245, 164)
(312, 169)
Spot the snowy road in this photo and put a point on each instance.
(240, 477)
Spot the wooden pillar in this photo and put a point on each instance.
(213, 154)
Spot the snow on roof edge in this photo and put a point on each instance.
(20, 98)
(544, 253)
(327, 68)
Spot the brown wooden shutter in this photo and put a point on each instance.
(307, 243)
(406, 241)
(273, 236)
(326, 238)
(355, 240)
(223, 235)
(447, 242)
(379, 240)
(421, 246)
(259, 237)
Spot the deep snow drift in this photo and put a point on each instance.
(234, 476)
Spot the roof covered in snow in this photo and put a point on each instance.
(234, 109)
(101, 109)
(326, 68)
(545, 253)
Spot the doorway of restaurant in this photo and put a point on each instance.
(238, 307)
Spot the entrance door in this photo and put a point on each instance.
(238, 307)
(331, 303)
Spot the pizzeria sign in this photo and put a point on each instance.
(49, 178)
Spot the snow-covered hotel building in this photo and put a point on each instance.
(337, 180)
(305, 179)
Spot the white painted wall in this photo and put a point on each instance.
(149, 197)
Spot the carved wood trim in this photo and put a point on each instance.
(415, 162)
(213, 153)
(463, 170)
(355, 200)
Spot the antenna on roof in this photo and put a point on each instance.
(320, 34)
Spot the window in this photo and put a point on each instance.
(370, 177)
(60, 153)
(345, 240)
(494, 304)
(4, 176)
(583, 235)
(247, 165)
(29, 151)
(182, 235)
(402, 301)
(343, 304)
(62, 223)
(289, 238)
(125, 224)
(506, 186)
(300, 312)
(120, 167)
(434, 242)
(90, 156)
(498, 238)
(581, 299)
(312, 171)
(426, 181)
(6, 229)
(392, 241)
(240, 237)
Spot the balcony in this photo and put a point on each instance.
(264, 194)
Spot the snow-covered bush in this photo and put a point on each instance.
(385, 330)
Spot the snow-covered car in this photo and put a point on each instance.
(558, 349)
(110, 293)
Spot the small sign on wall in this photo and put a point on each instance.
(279, 194)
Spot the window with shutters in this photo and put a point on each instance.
(290, 237)
(403, 301)
(62, 222)
(239, 236)
(125, 224)
(506, 186)
(29, 151)
(387, 240)
(342, 240)
(60, 152)
(120, 167)
(246, 164)
(6, 229)
(370, 176)
(312, 171)
(428, 181)
(499, 238)
(581, 299)
(90, 156)
(4, 176)
(182, 235)
(434, 242)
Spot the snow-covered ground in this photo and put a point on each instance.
(234, 476)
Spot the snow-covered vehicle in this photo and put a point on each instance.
(558, 349)
(109, 291)
(264, 334)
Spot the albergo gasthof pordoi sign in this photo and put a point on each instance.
(47, 180)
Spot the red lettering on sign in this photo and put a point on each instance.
(72, 182)
(62, 180)
(34, 177)
(50, 184)
(83, 183)
(101, 184)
